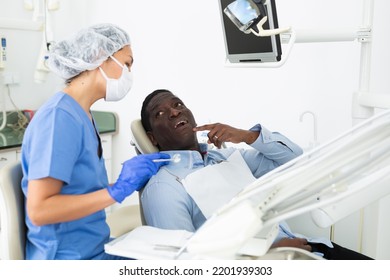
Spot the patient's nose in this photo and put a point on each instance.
(174, 113)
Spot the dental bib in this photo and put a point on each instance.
(215, 185)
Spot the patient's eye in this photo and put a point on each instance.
(178, 104)
(159, 114)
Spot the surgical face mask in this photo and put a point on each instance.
(116, 89)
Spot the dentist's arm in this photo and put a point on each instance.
(47, 205)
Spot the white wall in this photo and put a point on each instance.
(179, 45)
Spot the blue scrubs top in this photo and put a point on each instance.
(61, 142)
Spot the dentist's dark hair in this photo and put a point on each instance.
(144, 114)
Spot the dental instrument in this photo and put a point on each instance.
(175, 159)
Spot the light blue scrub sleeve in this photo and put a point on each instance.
(54, 147)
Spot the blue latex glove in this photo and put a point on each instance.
(135, 173)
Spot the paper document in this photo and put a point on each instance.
(148, 242)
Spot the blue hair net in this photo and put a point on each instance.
(86, 50)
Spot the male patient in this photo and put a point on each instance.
(171, 127)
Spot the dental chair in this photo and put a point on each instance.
(123, 220)
(13, 229)
(140, 140)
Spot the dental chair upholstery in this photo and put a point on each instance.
(123, 220)
(13, 229)
(140, 140)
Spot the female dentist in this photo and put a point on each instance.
(65, 181)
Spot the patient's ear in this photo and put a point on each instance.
(151, 137)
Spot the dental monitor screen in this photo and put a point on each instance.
(247, 48)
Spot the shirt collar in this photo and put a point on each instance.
(189, 158)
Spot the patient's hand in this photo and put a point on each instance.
(220, 133)
(293, 242)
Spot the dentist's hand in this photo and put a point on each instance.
(135, 174)
(220, 133)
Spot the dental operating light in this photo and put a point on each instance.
(250, 15)
(245, 14)
(251, 32)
